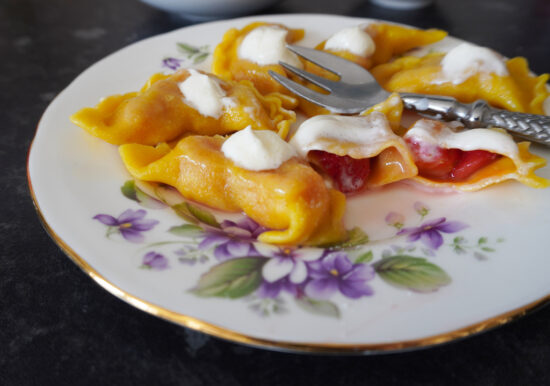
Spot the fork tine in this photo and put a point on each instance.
(324, 83)
(296, 88)
(348, 71)
(333, 103)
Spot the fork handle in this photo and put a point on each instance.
(533, 127)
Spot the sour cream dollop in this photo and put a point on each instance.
(257, 149)
(369, 132)
(433, 133)
(466, 60)
(204, 94)
(266, 45)
(354, 40)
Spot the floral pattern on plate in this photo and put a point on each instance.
(186, 54)
(238, 266)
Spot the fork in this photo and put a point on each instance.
(356, 90)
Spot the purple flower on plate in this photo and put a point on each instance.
(234, 239)
(430, 232)
(287, 262)
(155, 261)
(172, 63)
(130, 224)
(335, 272)
(273, 289)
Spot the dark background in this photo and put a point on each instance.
(58, 327)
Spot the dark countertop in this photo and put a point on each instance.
(57, 326)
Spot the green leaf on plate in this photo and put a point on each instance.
(356, 236)
(482, 240)
(233, 278)
(319, 307)
(129, 190)
(364, 258)
(414, 273)
(186, 230)
(188, 49)
(182, 210)
(194, 214)
(147, 201)
(458, 240)
(203, 216)
(200, 58)
(133, 192)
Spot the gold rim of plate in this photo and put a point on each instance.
(234, 336)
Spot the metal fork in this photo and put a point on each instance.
(356, 90)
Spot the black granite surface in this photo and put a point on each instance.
(58, 327)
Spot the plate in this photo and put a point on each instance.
(422, 269)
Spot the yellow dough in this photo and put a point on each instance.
(228, 65)
(515, 162)
(390, 41)
(292, 200)
(158, 113)
(390, 158)
(518, 91)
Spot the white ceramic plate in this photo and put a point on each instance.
(479, 260)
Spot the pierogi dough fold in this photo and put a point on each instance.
(389, 40)
(514, 161)
(159, 113)
(227, 64)
(519, 90)
(292, 200)
(367, 136)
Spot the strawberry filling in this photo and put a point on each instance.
(448, 164)
(470, 162)
(348, 174)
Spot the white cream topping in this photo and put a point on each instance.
(204, 93)
(369, 132)
(433, 133)
(354, 40)
(466, 60)
(266, 45)
(257, 149)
